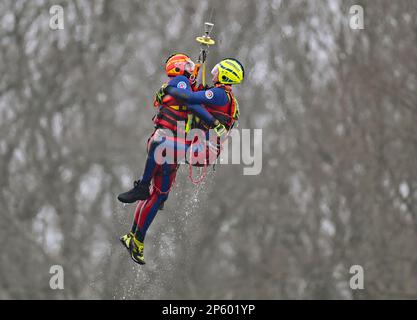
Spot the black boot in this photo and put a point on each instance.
(140, 191)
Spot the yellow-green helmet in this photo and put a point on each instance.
(230, 71)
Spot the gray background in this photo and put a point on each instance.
(338, 186)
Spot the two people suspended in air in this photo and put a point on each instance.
(182, 105)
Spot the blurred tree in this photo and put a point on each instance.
(338, 187)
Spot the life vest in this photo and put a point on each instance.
(170, 112)
(226, 114)
(168, 116)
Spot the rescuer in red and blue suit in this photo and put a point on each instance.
(215, 108)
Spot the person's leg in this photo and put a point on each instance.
(138, 209)
(134, 240)
(151, 161)
(140, 190)
(163, 180)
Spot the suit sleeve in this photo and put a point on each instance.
(202, 113)
(215, 96)
(180, 82)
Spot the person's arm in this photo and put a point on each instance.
(182, 85)
(202, 113)
(215, 96)
(180, 82)
(182, 92)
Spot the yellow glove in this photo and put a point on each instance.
(159, 96)
(220, 129)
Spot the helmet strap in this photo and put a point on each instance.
(187, 74)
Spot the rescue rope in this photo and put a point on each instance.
(204, 170)
(202, 176)
(190, 168)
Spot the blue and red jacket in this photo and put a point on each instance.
(211, 104)
(171, 111)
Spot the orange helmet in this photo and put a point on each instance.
(179, 64)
